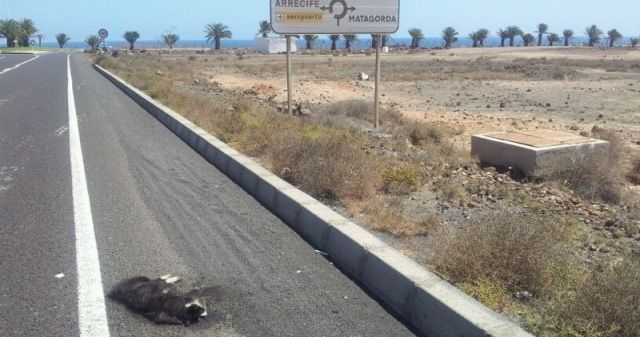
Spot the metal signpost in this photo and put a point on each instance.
(103, 34)
(293, 17)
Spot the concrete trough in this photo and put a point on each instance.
(535, 153)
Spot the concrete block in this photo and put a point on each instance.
(315, 222)
(249, 178)
(348, 245)
(288, 205)
(440, 309)
(385, 272)
(210, 153)
(535, 153)
(268, 190)
(234, 168)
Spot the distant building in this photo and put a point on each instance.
(275, 45)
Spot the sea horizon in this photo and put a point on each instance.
(364, 42)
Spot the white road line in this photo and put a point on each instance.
(92, 315)
(18, 65)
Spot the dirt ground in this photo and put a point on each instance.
(473, 90)
(482, 90)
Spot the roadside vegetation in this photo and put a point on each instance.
(523, 249)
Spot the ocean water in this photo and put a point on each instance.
(364, 41)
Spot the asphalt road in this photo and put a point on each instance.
(157, 207)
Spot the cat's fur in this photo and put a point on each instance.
(159, 300)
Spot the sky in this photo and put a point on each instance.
(152, 18)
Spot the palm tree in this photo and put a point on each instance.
(310, 38)
(416, 36)
(542, 29)
(504, 35)
(593, 33)
(512, 33)
(27, 30)
(10, 30)
(349, 39)
(634, 41)
(553, 38)
(614, 35)
(62, 39)
(528, 39)
(385, 39)
(265, 28)
(474, 38)
(483, 34)
(567, 35)
(131, 37)
(92, 40)
(334, 40)
(449, 35)
(215, 32)
(170, 39)
(40, 38)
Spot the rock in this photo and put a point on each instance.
(574, 128)
(612, 223)
(503, 105)
(363, 77)
(159, 73)
(523, 295)
(619, 234)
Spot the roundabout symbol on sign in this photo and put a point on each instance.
(103, 33)
(332, 8)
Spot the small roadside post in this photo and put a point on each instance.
(335, 17)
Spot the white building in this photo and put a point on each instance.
(275, 45)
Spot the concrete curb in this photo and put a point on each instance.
(431, 305)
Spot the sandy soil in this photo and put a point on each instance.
(482, 90)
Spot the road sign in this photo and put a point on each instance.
(335, 16)
(103, 33)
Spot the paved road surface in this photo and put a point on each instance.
(157, 207)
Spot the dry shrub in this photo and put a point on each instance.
(449, 190)
(354, 108)
(425, 134)
(401, 178)
(385, 215)
(606, 304)
(599, 175)
(517, 253)
(325, 163)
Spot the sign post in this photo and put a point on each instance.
(289, 77)
(103, 34)
(376, 96)
(295, 17)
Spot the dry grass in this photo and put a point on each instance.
(598, 176)
(401, 178)
(386, 215)
(606, 305)
(325, 163)
(518, 253)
